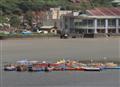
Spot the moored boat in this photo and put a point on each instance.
(111, 65)
(91, 69)
(9, 68)
(61, 65)
(118, 68)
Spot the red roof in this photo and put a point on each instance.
(104, 11)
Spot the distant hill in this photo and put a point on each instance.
(17, 6)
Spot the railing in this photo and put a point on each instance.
(92, 27)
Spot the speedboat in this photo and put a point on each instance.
(9, 68)
(118, 67)
(91, 69)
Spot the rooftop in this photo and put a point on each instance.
(103, 12)
(114, 11)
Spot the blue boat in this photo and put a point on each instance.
(118, 68)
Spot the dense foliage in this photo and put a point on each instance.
(20, 6)
(10, 10)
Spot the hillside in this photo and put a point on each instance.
(13, 6)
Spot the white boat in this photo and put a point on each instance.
(9, 68)
(91, 69)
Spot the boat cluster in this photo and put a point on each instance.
(61, 65)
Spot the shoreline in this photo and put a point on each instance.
(31, 38)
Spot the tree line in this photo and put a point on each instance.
(22, 6)
(13, 9)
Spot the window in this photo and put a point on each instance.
(101, 22)
(90, 23)
(66, 26)
(112, 22)
(76, 23)
(119, 22)
(84, 23)
(80, 23)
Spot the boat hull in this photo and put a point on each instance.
(91, 69)
(12, 69)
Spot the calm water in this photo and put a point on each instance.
(51, 50)
(62, 79)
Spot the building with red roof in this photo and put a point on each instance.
(97, 20)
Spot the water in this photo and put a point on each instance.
(62, 79)
(53, 49)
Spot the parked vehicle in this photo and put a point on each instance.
(26, 32)
(64, 36)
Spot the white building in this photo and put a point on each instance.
(98, 20)
(56, 13)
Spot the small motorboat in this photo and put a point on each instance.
(48, 69)
(21, 68)
(111, 66)
(9, 68)
(67, 68)
(34, 69)
(71, 66)
(118, 68)
(47, 64)
(41, 67)
(74, 69)
(91, 69)
(58, 69)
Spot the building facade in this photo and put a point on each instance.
(98, 20)
(55, 13)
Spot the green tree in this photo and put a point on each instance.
(101, 3)
(8, 6)
(29, 18)
(18, 6)
(14, 21)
